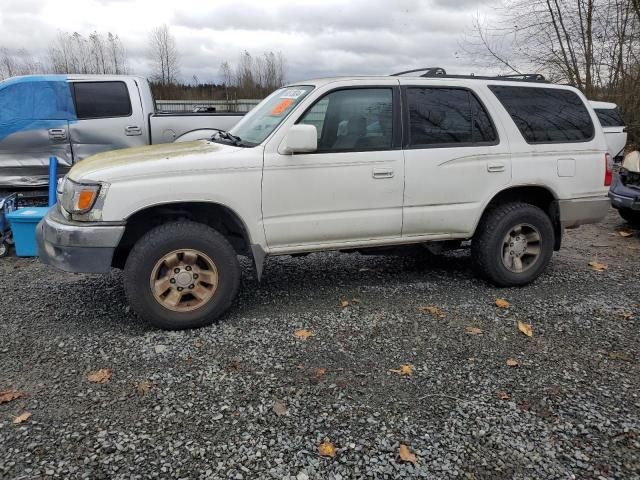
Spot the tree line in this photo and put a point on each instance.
(593, 45)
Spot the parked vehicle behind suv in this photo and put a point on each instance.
(76, 116)
(614, 128)
(338, 164)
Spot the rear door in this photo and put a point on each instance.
(614, 130)
(107, 118)
(455, 158)
(35, 115)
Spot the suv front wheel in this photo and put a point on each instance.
(513, 244)
(181, 275)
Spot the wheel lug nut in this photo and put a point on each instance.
(191, 286)
(173, 280)
(195, 276)
(188, 269)
(180, 289)
(176, 270)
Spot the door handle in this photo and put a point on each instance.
(380, 173)
(132, 130)
(495, 167)
(57, 134)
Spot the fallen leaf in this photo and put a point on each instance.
(303, 334)
(143, 388)
(627, 316)
(623, 356)
(327, 449)
(625, 233)
(280, 408)
(99, 376)
(344, 303)
(10, 395)
(525, 328)
(406, 455)
(598, 267)
(198, 344)
(23, 417)
(502, 303)
(512, 362)
(435, 311)
(405, 370)
(473, 331)
(503, 395)
(320, 372)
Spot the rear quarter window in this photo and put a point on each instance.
(101, 100)
(609, 117)
(546, 115)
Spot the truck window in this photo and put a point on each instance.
(447, 117)
(609, 117)
(36, 100)
(353, 120)
(546, 115)
(101, 100)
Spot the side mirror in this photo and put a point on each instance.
(300, 139)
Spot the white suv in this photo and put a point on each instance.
(338, 164)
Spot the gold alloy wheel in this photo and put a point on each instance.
(184, 280)
(521, 248)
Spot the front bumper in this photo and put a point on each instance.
(84, 247)
(581, 211)
(623, 197)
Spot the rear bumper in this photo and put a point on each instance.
(623, 197)
(76, 246)
(581, 211)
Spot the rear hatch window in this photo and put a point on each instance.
(609, 117)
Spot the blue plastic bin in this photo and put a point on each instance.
(23, 224)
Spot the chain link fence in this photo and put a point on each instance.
(206, 106)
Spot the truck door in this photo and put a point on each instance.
(34, 125)
(110, 117)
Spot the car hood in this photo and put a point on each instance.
(162, 159)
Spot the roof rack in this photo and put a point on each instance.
(441, 72)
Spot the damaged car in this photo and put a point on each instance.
(625, 189)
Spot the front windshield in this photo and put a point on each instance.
(258, 124)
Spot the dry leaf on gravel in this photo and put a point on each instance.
(473, 331)
(406, 455)
(280, 408)
(100, 376)
(327, 449)
(303, 334)
(512, 362)
(598, 267)
(502, 303)
(622, 356)
(23, 417)
(435, 311)
(625, 233)
(405, 370)
(10, 395)
(627, 316)
(198, 344)
(525, 328)
(320, 372)
(503, 395)
(344, 303)
(143, 388)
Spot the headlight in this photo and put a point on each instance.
(78, 198)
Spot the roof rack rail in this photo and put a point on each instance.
(441, 72)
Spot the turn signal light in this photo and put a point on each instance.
(608, 170)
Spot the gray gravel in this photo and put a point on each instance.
(243, 399)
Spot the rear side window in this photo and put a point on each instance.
(447, 117)
(101, 100)
(609, 117)
(546, 115)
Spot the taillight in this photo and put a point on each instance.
(608, 170)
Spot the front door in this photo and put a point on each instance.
(107, 120)
(350, 189)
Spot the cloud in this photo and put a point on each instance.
(317, 37)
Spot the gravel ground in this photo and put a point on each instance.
(247, 399)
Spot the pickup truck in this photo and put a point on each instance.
(350, 164)
(76, 116)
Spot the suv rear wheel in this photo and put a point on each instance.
(513, 244)
(181, 275)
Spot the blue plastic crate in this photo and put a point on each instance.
(23, 224)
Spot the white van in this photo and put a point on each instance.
(614, 128)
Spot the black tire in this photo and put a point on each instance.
(488, 241)
(632, 217)
(4, 249)
(162, 240)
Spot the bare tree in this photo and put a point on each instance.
(97, 54)
(163, 53)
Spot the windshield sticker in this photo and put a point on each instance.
(280, 108)
(292, 93)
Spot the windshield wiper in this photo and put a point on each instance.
(234, 139)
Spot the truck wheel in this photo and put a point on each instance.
(4, 249)
(181, 275)
(513, 244)
(631, 216)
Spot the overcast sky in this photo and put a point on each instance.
(317, 37)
